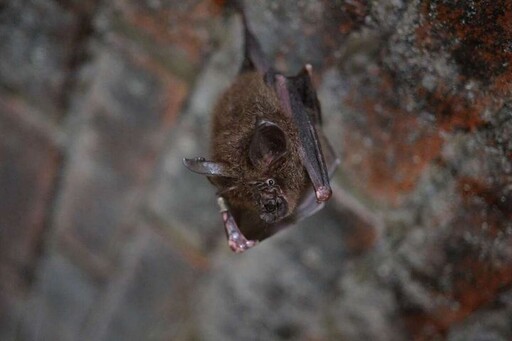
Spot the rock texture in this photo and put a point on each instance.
(105, 236)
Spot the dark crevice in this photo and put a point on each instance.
(79, 57)
(85, 30)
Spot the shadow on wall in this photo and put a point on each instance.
(105, 236)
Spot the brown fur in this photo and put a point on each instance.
(234, 121)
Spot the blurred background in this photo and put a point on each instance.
(105, 236)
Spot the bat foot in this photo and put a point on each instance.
(238, 243)
(236, 239)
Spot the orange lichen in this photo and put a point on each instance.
(392, 147)
(343, 17)
(175, 27)
(480, 271)
(477, 34)
(457, 110)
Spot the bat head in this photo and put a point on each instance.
(267, 147)
(267, 150)
(271, 202)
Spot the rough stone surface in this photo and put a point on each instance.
(149, 297)
(41, 42)
(173, 186)
(28, 174)
(279, 289)
(492, 323)
(29, 167)
(107, 172)
(62, 299)
(104, 235)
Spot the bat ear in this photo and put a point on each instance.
(268, 144)
(209, 168)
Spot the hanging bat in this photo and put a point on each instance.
(270, 160)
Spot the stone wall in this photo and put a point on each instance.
(105, 236)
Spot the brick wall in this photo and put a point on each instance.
(105, 236)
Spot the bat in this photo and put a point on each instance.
(270, 161)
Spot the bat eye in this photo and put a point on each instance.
(271, 182)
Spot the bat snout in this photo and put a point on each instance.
(273, 209)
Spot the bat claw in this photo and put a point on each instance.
(238, 243)
(309, 70)
(236, 240)
(323, 193)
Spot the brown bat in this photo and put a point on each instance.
(270, 160)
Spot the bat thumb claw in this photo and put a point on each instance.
(323, 193)
(187, 163)
(309, 69)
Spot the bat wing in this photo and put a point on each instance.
(308, 204)
(299, 101)
(201, 166)
(318, 156)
